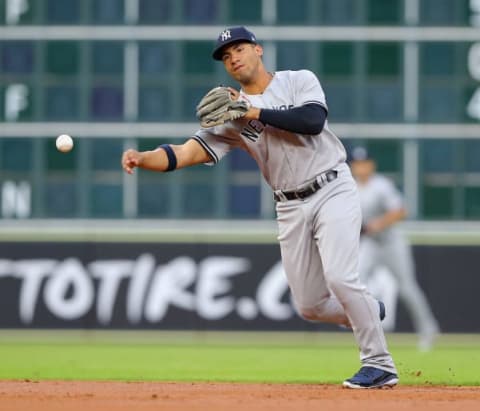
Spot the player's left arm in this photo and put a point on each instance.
(309, 114)
(385, 220)
(307, 119)
(395, 210)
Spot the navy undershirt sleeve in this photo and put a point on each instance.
(307, 119)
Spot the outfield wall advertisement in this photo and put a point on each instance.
(200, 286)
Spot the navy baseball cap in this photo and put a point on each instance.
(359, 154)
(232, 35)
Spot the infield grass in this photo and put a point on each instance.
(219, 356)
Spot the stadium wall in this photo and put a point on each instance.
(198, 285)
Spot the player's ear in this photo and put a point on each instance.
(259, 50)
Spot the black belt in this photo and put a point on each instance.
(309, 189)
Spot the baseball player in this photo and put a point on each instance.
(280, 119)
(382, 244)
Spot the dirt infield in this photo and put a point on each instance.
(143, 396)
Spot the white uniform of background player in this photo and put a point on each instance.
(383, 243)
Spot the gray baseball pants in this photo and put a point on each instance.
(319, 241)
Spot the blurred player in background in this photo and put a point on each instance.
(383, 244)
(285, 130)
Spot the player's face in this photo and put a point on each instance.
(362, 170)
(242, 61)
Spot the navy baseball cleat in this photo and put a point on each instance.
(382, 310)
(371, 377)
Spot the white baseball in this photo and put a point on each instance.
(64, 143)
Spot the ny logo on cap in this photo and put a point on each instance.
(225, 35)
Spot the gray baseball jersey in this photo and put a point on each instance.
(318, 235)
(390, 249)
(378, 196)
(286, 159)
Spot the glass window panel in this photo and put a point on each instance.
(289, 12)
(191, 97)
(154, 103)
(107, 103)
(197, 56)
(107, 57)
(338, 59)
(244, 201)
(155, 57)
(383, 59)
(2, 12)
(62, 103)
(465, 16)
(106, 200)
(155, 11)
(2, 101)
(145, 144)
(107, 11)
(438, 155)
(292, 55)
(385, 12)
(152, 199)
(58, 161)
(106, 153)
(472, 202)
(437, 59)
(387, 155)
(340, 101)
(62, 11)
(241, 161)
(245, 11)
(434, 12)
(437, 103)
(17, 57)
(61, 199)
(205, 11)
(340, 12)
(437, 202)
(16, 154)
(200, 173)
(472, 155)
(63, 57)
(384, 102)
(199, 200)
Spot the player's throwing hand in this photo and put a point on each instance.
(131, 159)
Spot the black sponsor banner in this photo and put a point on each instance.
(195, 286)
(164, 286)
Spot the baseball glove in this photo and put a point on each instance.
(218, 106)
